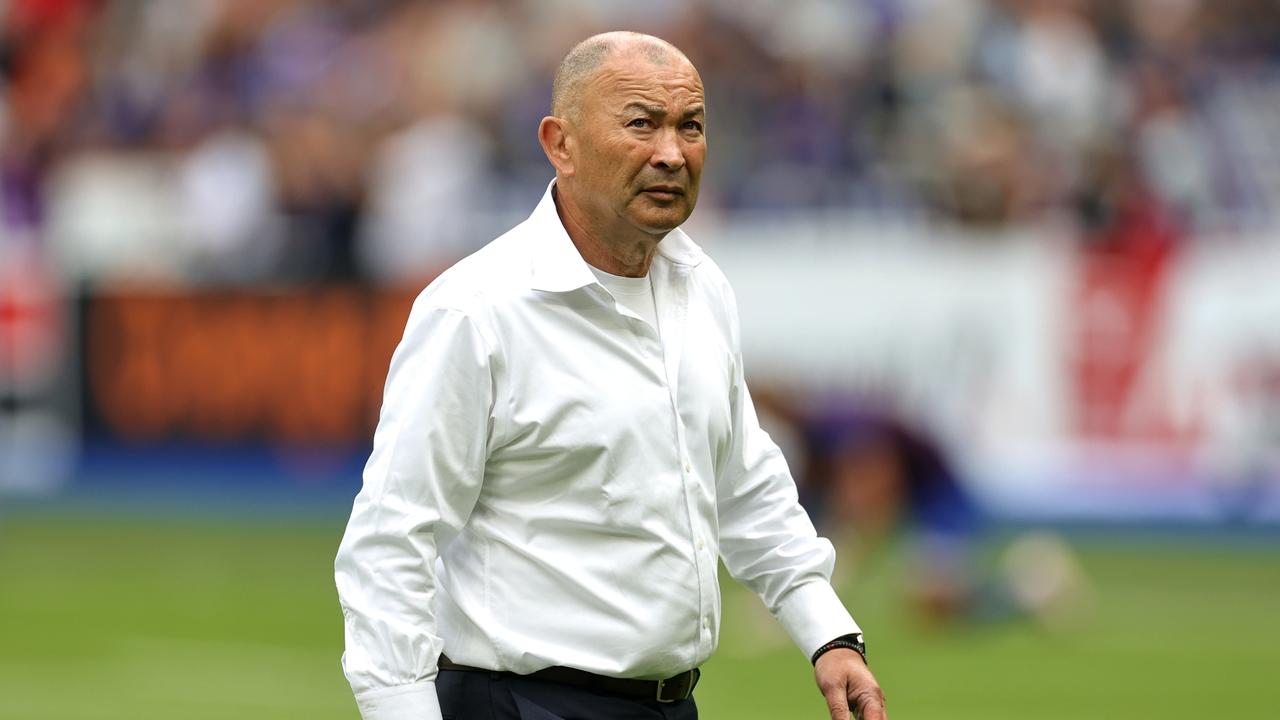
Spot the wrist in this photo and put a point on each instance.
(852, 642)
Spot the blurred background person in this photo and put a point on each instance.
(875, 482)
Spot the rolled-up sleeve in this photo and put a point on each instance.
(767, 540)
(420, 485)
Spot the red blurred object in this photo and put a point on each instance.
(43, 15)
(31, 323)
(1120, 301)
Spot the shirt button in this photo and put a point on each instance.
(687, 467)
(701, 544)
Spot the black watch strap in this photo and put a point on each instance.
(850, 642)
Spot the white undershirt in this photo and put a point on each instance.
(633, 293)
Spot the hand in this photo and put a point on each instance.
(846, 683)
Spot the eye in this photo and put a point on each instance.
(692, 125)
(640, 123)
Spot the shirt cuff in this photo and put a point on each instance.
(813, 616)
(401, 702)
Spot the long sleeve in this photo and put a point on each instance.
(767, 540)
(420, 485)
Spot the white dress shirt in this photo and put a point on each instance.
(553, 479)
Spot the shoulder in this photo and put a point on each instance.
(707, 275)
(479, 293)
(491, 276)
(710, 289)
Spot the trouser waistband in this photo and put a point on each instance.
(673, 689)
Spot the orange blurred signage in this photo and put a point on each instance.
(291, 366)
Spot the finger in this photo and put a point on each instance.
(837, 704)
(869, 707)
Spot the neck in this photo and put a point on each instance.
(628, 254)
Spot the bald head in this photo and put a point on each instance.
(587, 57)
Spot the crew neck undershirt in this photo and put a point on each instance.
(633, 293)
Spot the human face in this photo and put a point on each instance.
(641, 144)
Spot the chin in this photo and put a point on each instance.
(660, 222)
(658, 228)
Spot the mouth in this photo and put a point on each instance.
(664, 192)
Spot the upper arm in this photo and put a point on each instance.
(438, 416)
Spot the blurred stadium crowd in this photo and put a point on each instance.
(294, 140)
(215, 213)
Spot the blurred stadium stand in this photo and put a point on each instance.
(1040, 232)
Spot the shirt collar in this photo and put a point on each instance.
(559, 267)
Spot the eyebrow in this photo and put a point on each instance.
(658, 111)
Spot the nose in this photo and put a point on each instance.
(667, 153)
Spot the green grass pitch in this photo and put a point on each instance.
(115, 618)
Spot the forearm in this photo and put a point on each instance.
(768, 541)
(386, 589)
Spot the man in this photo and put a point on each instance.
(566, 445)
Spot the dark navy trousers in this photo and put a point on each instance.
(496, 696)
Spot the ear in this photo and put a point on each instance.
(554, 135)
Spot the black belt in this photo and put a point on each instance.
(675, 688)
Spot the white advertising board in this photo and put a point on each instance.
(1063, 383)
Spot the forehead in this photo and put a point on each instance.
(635, 77)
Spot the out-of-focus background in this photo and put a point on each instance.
(1009, 273)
